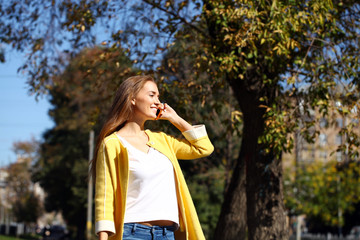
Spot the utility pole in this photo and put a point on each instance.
(90, 189)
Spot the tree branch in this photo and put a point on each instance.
(182, 19)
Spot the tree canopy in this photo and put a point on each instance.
(324, 190)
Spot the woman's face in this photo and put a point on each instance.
(146, 101)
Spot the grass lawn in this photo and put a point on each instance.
(2, 237)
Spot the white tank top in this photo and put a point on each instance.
(151, 191)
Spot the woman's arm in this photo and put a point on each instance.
(181, 124)
(104, 187)
(197, 143)
(169, 114)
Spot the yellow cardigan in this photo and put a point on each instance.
(112, 176)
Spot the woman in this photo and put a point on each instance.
(140, 190)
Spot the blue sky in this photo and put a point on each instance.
(21, 117)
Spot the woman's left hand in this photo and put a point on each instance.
(166, 112)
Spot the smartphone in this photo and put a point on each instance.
(158, 114)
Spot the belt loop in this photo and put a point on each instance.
(134, 228)
(164, 231)
(153, 232)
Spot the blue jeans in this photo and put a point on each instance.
(136, 231)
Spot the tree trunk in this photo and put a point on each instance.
(262, 173)
(232, 221)
(266, 218)
(265, 211)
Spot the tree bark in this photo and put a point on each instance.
(266, 211)
(259, 175)
(266, 218)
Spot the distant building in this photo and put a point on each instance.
(3, 176)
(3, 188)
(323, 149)
(326, 143)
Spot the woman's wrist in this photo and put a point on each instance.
(181, 124)
(103, 235)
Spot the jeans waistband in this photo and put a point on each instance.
(171, 228)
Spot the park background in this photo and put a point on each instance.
(270, 79)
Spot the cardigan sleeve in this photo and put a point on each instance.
(195, 145)
(104, 191)
(197, 132)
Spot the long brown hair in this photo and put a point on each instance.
(120, 111)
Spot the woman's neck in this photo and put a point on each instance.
(132, 128)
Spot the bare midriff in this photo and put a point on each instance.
(160, 223)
